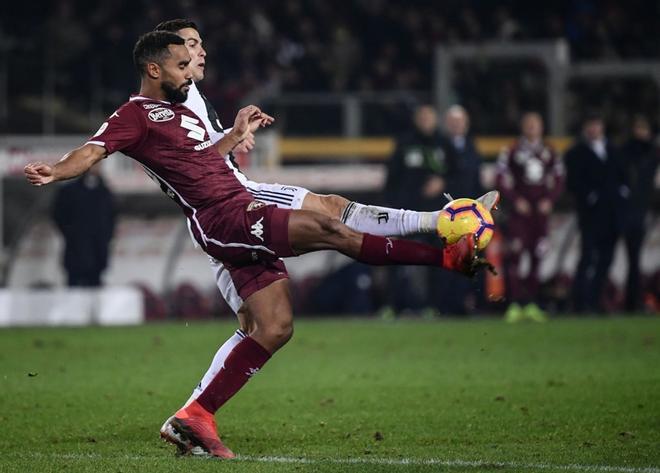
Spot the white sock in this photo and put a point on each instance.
(383, 221)
(217, 363)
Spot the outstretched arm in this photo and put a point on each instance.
(73, 164)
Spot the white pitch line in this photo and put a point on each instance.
(452, 463)
(374, 461)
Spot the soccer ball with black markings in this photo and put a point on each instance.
(463, 216)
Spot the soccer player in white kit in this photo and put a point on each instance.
(372, 219)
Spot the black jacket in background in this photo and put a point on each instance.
(599, 186)
(86, 217)
(640, 159)
(464, 179)
(417, 157)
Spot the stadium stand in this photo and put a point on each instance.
(296, 46)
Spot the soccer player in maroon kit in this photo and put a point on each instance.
(530, 176)
(249, 237)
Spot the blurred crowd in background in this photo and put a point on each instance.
(313, 45)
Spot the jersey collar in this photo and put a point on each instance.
(141, 97)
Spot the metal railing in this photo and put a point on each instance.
(554, 55)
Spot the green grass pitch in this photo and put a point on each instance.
(344, 395)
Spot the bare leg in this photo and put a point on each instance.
(312, 231)
(267, 316)
(330, 205)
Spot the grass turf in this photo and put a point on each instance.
(522, 397)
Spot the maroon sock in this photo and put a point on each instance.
(244, 360)
(377, 250)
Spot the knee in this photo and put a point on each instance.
(333, 204)
(244, 320)
(277, 331)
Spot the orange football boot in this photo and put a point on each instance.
(193, 430)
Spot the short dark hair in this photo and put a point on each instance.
(152, 47)
(638, 118)
(175, 25)
(593, 115)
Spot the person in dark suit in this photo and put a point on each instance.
(641, 161)
(595, 176)
(464, 179)
(84, 212)
(416, 179)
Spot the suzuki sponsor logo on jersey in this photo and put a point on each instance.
(149, 106)
(161, 115)
(204, 145)
(258, 229)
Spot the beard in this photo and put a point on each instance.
(175, 94)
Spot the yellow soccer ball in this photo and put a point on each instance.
(463, 216)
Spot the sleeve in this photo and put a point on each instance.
(60, 204)
(476, 172)
(575, 176)
(504, 180)
(216, 136)
(394, 172)
(125, 129)
(556, 184)
(624, 171)
(451, 167)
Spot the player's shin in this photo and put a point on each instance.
(245, 360)
(385, 221)
(460, 257)
(377, 250)
(217, 363)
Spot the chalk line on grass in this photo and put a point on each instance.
(577, 467)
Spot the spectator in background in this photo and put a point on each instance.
(640, 161)
(422, 159)
(84, 212)
(596, 177)
(530, 178)
(463, 179)
(416, 180)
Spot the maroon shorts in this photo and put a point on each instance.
(253, 277)
(251, 246)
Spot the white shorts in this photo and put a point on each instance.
(285, 197)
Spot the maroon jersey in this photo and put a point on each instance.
(174, 148)
(529, 171)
